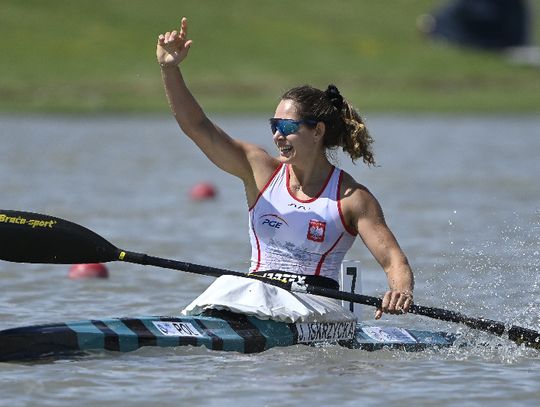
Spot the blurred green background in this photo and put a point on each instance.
(98, 56)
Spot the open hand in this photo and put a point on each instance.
(173, 47)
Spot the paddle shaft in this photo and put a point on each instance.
(515, 333)
(28, 237)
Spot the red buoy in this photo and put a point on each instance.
(89, 270)
(202, 191)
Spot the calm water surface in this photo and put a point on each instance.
(461, 194)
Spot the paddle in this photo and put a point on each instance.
(27, 237)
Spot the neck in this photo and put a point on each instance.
(309, 178)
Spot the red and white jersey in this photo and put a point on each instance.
(299, 236)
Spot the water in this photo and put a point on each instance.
(461, 194)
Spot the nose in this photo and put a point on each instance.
(278, 136)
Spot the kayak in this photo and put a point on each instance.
(214, 329)
(27, 237)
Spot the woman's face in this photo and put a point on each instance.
(301, 144)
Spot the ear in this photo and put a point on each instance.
(320, 129)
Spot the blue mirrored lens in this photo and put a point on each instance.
(285, 126)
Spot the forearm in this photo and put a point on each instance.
(186, 110)
(221, 149)
(400, 277)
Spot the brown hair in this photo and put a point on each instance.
(344, 126)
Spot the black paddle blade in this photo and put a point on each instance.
(27, 237)
(524, 336)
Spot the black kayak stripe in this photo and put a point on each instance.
(144, 335)
(294, 331)
(110, 339)
(34, 342)
(254, 340)
(217, 342)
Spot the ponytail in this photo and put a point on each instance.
(344, 125)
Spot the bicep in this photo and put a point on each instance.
(225, 152)
(252, 164)
(376, 234)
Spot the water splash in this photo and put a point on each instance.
(493, 274)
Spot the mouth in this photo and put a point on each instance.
(284, 150)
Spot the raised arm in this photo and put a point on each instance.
(227, 153)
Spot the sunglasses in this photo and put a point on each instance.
(288, 126)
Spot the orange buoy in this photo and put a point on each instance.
(202, 191)
(88, 270)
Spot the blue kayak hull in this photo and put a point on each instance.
(217, 330)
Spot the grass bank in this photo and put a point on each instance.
(97, 56)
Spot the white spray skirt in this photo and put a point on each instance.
(252, 297)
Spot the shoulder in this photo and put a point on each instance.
(262, 167)
(256, 158)
(261, 163)
(350, 188)
(357, 201)
(255, 152)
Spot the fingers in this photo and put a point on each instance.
(394, 302)
(164, 39)
(408, 302)
(171, 37)
(384, 305)
(183, 28)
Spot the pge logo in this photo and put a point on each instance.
(273, 221)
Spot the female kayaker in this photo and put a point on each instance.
(304, 212)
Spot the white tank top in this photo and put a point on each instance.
(299, 236)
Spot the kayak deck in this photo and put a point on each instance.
(216, 330)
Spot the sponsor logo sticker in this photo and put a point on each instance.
(325, 331)
(298, 206)
(168, 328)
(284, 277)
(33, 223)
(388, 335)
(316, 230)
(273, 221)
